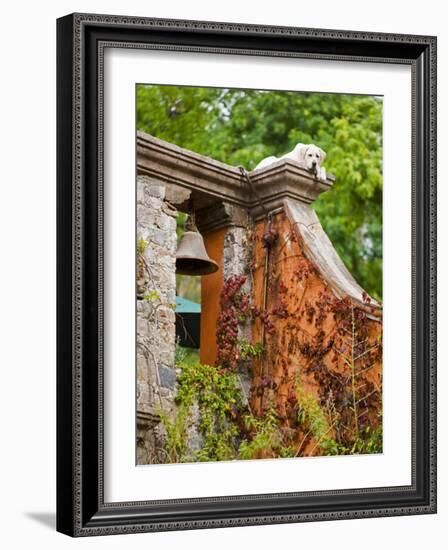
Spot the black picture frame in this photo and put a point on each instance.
(81, 510)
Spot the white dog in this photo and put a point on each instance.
(308, 156)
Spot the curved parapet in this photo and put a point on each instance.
(319, 250)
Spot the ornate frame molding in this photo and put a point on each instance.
(81, 41)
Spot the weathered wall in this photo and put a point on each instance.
(230, 248)
(321, 333)
(237, 260)
(210, 289)
(308, 334)
(156, 295)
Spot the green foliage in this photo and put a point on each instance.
(181, 218)
(180, 353)
(229, 428)
(267, 438)
(176, 427)
(369, 441)
(185, 356)
(219, 399)
(217, 395)
(248, 350)
(177, 114)
(311, 414)
(244, 126)
(142, 245)
(151, 296)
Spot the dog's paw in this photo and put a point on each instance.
(321, 174)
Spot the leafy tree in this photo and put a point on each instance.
(244, 126)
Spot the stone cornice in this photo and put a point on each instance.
(285, 179)
(221, 182)
(175, 165)
(147, 419)
(221, 215)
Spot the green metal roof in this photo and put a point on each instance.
(187, 306)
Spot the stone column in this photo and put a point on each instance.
(156, 296)
(226, 230)
(231, 226)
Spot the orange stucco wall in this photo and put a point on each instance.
(291, 281)
(210, 291)
(304, 338)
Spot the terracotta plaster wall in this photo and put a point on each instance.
(211, 286)
(289, 282)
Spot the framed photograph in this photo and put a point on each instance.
(246, 274)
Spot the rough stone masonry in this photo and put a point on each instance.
(237, 260)
(156, 297)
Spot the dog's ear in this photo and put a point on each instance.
(322, 153)
(301, 150)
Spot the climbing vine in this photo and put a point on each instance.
(349, 398)
(218, 399)
(227, 427)
(325, 403)
(235, 311)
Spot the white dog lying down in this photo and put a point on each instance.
(308, 156)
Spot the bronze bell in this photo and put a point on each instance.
(192, 257)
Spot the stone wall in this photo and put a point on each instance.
(227, 231)
(237, 259)
(156, 296)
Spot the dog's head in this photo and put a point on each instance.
(310, 157)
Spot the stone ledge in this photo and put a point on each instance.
(285, 179)
(174, 165)
(147, 420)
(220, 182)
(221, 215)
